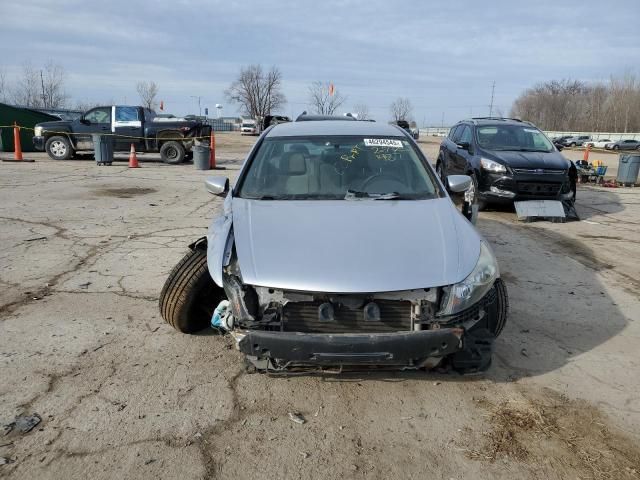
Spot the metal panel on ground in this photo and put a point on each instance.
(532, 209)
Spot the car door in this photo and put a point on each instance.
(461, 157)
(97, 120)
(450, 150)
(127, 126)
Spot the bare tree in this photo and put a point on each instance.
(572, 105)
(361, 111)
(257, 92)
(148, 91)
(52, 83)
(3, 86)
(42, 88)
(27, 91)
(325, 98)
(401, 109)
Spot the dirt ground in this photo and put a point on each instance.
(86, 249)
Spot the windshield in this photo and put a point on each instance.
(520, 138)
(248, 125)
(337, 167)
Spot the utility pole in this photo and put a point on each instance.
(199, 109)
(442, 122)
(493, 90)
(44, 97)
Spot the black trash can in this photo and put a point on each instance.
(103, 149)
(201, 156)
(628, 168)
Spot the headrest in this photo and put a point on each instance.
(294, 163)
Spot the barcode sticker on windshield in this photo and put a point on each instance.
(382, 142)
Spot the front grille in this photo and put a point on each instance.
(540, 171)
(541, 189)
(395, 316)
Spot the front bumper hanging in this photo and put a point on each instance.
(402, 348)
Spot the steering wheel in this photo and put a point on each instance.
(385, 183)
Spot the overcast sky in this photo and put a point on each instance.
(443, 56)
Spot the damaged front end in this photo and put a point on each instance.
(284, 330)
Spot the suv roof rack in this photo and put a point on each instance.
(498, 118)
(304, 116)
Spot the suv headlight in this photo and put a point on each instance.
(37, 131)
(462, 295)
(492, 166)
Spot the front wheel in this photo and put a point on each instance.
(440, 171)
(189, 295)
(172, 152)
(59, 148)
(472, 203)
(616, 147)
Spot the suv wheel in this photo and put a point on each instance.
(472, 204)
(440, 171)
(572, 144)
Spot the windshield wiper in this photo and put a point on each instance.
(354, 194)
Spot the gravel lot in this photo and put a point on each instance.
(86, 250)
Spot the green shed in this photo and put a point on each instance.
(24, 117)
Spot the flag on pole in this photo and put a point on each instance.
(332, 89)
(161, 105)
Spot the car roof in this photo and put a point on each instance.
(334, 127)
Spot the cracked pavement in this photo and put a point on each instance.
(86, 251)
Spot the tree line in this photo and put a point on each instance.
(574, 105)
(256, 90)
(45, 88)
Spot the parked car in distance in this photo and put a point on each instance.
(623, 145)
(576, 141)
(248, 127)
(308, 265)
(558, 141)
(172, 137)
(597, 143)
(507, 160)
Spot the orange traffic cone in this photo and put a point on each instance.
(585, 156)
(17, 148)
(133, 159)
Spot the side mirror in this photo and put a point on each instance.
(559, 147)
(463, 145)
(84, 121)
(217, 185)
(459, 183)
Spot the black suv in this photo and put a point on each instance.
(507, 159)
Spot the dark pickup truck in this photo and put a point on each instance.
(172, 137)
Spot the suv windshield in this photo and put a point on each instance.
(522, 138)
(337, 167)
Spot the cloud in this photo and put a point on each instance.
(444, 56)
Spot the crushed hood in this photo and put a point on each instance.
(353, 246)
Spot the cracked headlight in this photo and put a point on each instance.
(491, 166)
(462, 295)
(37, 131)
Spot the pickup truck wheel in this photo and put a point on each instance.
(189, 295)
(59, 148)
(172, 152)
